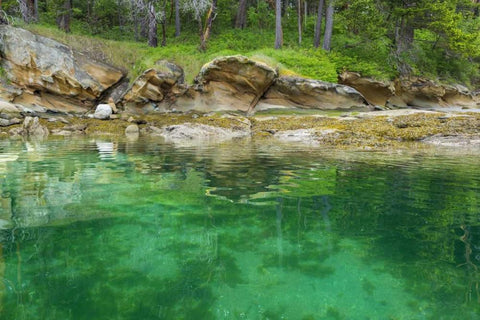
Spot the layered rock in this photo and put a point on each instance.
(376, 92)
(233, 83)
(51, 74)
(423, 93)
(294, 92)
(411, 92)
(416, 92)
(154, 86)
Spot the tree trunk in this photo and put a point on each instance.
(241, 19)
(35, 10)
(3, 16)
(208, 25)
(164, 34)
(63, 16)
(278, 24)
(299, 21)
(318, 25)
(152, 26)
(327, 38)
(177, 18)
(404, 33)
(27, 9)
(119, 15)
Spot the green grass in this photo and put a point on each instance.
(371, 58)
(135, 57)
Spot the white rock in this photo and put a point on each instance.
(103, 112)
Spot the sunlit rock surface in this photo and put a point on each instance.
(376, 92)
(295, 92)
(411, 92)
(46, 70)
(155, 85)
(232, 83)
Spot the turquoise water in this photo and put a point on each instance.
(98, 229)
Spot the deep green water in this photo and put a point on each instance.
(92, 229)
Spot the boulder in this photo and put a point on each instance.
(376, 92)
(132, 130)
(9, 110)
(233, 83)
(38, 64)
(154, 85)
(9, 122)
(103, 112)
(4, 122)
(295, 92)
(32, 128)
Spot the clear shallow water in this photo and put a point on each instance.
(124, 230)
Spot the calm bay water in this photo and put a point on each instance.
(98, 229)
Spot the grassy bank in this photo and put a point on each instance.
(135, 57)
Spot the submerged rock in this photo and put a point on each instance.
(132, 130)
(295, 92)
(304, 136)
(200, 132)
(464, 140)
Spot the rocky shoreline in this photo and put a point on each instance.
(48, 89)
(367, 131)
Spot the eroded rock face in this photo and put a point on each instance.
(39, 66)
(232, 83)
(376, 92)
(294, 92)
(154, 85)
(423, 93)
(460, 96)
(415, 92)
(411, 92)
